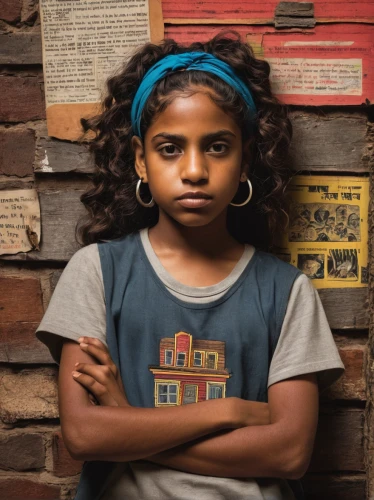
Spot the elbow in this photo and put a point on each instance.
(296, 464)
(75, 440)
(75, 444)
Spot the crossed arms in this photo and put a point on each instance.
(221, 437)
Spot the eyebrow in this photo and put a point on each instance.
(207, 137)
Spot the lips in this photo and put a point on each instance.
(194, 199)
(194, 195)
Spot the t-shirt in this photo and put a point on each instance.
(305, 345)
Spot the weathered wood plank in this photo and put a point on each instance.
(346, 308)
(335, 142)
(339, 441)
(21, 48)
(295, 9)
(334, 487)
(54, 156)
(60, 211)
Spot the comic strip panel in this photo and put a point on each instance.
(312, 264)
(319, 222)
(342, 264)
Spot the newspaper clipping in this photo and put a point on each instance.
(328, 228)
(19, 221)
(85, 42)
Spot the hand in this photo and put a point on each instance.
(248, 413)
(103, 381)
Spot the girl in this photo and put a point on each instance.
(173, 303)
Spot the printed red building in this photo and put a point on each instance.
(190, 370)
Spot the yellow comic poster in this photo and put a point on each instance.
(327, 237)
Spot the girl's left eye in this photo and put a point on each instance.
(218, 147)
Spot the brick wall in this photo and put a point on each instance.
(33, 461)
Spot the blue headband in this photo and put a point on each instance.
(198, 61)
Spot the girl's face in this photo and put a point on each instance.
(191, 159)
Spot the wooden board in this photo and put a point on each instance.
(346, 308)
(323, 66)
(329, 487)
(60, 211)
(21, 48)
(261, 11)
(53, 155)
(339, 441)
(345, 150)
(333, 141)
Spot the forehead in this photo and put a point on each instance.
(192, 114)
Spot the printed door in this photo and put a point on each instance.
(189, 394)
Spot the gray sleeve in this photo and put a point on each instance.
(306, 344)
(77, 306)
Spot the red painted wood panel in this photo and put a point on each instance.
(329, 65)
(262, 11)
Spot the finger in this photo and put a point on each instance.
(94, 387)
(101, 373)
(94, 341)
(103, 357)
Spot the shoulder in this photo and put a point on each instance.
(269, 259)
(271, 269)
(120, 246)
(86, 259)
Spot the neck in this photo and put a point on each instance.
(211, 239)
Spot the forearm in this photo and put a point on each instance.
(258, 451)
(127, 433)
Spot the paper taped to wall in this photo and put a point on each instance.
(19, 221)
(327, 235)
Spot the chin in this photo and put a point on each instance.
(193, 220)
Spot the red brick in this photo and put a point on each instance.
(18, 344)
(352, 384)
(22, 300)
(10, 10)
(24, 489)
(22, 100)
(17, 152)
(21, 451)
(63, 464)
(29, 394)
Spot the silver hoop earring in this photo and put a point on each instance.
(137, 193)
(248, 199)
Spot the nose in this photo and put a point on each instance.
(194, 167)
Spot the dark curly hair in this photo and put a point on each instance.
(111, 202)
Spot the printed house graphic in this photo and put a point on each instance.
(190, 370)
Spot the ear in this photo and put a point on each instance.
(140, 167)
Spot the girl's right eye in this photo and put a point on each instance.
(169, 150)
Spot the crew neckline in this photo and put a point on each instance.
(190, 291)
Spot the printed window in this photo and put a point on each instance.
(211, 360)
(167, 393)
(168, 357)
(215, 391)
(181, 357)
(198, 358)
